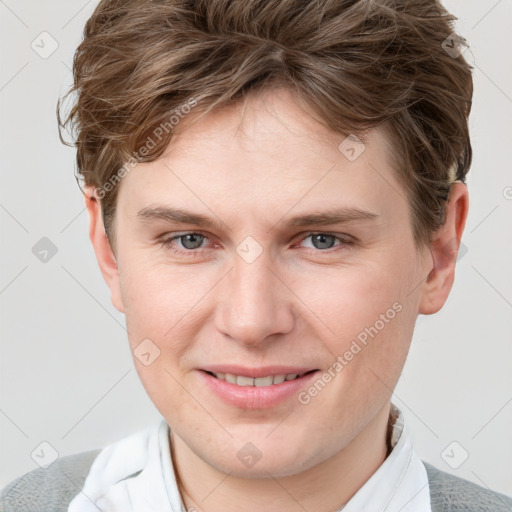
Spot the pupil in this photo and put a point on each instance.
(192, 241)
(322, 241)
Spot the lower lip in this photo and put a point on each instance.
(252, 397)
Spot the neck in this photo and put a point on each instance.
(324, 487)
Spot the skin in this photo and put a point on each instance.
(296, 304)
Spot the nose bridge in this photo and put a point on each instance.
(254, 305)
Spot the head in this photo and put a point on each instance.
(272, 184)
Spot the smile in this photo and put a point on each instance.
(242, 380)
(261, 388)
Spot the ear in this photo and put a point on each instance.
(444, 250)
(104, 254)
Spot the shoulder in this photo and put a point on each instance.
(48, 489)
(449, 493)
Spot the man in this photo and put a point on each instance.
(275, 192)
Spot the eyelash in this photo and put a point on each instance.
(168, 243)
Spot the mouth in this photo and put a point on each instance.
(256, 388)
(259, 382)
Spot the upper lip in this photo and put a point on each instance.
(262, 371)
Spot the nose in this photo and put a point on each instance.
(254, 303)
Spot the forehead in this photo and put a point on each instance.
(270, 124)
(265, 153)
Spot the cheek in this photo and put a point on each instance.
(160, 297)
(161, 317)
(346, 300)
(366, 316)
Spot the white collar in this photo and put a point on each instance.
(400, 484)
(145, 479)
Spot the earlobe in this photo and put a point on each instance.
(102, 248)
(444, 250)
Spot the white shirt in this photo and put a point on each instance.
(136, 474)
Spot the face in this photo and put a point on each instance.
(303, 264)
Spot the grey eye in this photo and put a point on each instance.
(323, 241)
(192, 240)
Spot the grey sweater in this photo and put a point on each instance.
(52, 489)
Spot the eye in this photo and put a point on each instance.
(192, 243)
(189, 242)
(324, 241)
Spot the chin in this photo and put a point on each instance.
(259, 459)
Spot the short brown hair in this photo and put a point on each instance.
(356, 64)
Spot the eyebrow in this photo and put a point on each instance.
(332, 216)
(328, 217)
(179, 216)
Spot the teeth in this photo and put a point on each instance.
(244, 381)
(230, 378)
(264, 381)
(241, 380)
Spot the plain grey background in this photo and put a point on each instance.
(67, 376)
